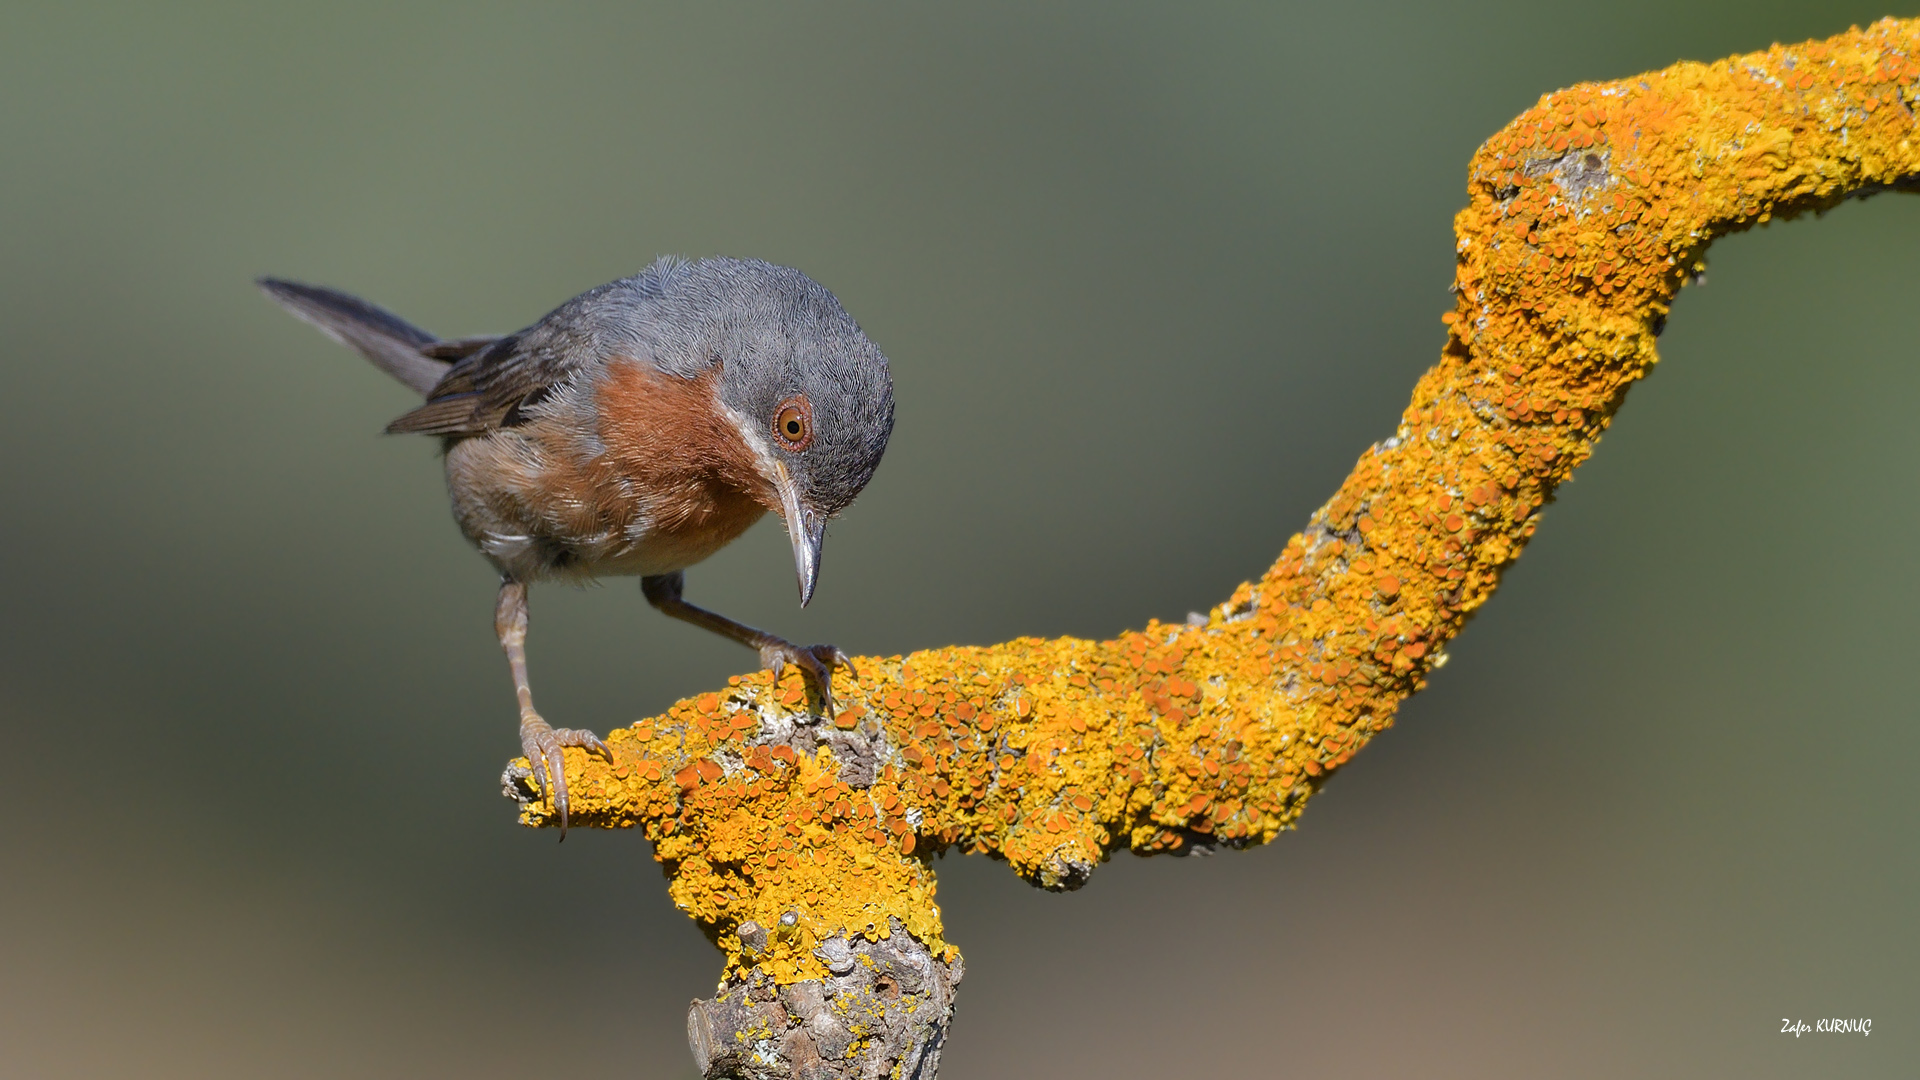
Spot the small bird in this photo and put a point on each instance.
(636, 430)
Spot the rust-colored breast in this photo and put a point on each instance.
(670, 449)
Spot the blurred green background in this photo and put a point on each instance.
(1151, 278)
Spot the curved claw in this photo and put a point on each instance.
(544, 746)
(816, 661)
(841, 659)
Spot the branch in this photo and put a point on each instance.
(802, 846)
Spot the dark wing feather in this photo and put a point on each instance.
(459, 348)
(451, 415)
(479, 393)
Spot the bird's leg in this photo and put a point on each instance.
(540, 741)
(817, 661)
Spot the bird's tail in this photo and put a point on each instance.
(395, 346)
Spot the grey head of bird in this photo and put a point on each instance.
(810, 395)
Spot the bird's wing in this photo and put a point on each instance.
(479, 391)
(494, 378)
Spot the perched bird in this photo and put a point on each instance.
(635, 430)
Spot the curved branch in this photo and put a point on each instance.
(802, 846)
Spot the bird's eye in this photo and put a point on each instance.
(793, 422)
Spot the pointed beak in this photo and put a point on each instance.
(807, 530)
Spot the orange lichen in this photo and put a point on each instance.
(1587, 215)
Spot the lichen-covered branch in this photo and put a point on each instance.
(801, 845)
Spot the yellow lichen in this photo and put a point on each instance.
(1587, 215)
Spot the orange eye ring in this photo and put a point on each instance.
(793, 423)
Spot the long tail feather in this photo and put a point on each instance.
(395, 346)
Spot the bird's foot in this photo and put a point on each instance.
(815, 661)
(542, 743)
